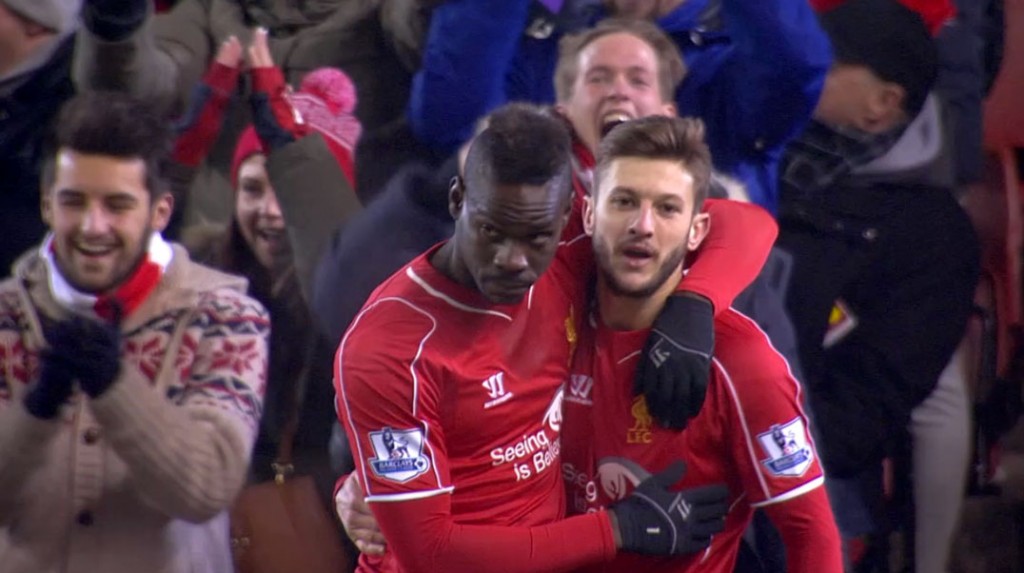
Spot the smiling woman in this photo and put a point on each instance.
(258, 214)
(290, 180)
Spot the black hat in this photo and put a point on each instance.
(888, 38)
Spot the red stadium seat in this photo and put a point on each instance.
(1004, 131)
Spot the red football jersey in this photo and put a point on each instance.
(444, 393)
(751, 434)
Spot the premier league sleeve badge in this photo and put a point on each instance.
(789, 453)
(399, 454)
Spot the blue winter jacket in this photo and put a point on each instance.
(755, 70)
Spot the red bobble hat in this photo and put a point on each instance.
(325, 102)
(247, 146)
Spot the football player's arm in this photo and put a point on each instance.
(360, 521)
(762, 409)
(763, 402)
(731, 256)
(392, 388)
(424, 537)
(809, 533)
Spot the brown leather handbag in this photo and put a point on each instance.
(282, 526)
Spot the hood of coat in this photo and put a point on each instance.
(920, 155)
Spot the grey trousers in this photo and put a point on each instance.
(941, 429)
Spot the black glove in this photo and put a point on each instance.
(675, 365)
(656, 521)
(91, 349)
(53, 388)
(114, 20)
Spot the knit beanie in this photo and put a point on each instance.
(889, 39)
(247, 146)
(326, 100)
(61, 16)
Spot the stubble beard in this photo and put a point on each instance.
(664, 272)
(117, 277)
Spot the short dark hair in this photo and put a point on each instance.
(113, 124)
(678, 139)
(523, 144)
(671, 68)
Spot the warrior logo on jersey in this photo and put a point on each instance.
(789, 454)
(399, 454)
(580, 386)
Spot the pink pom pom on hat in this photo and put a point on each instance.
(333, 86)
(326, 100)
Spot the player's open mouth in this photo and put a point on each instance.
(637, 255)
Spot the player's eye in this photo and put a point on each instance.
(539, 240)
(489, 231)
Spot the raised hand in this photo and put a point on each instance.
(230, 53)
(200, 125)
(259, 50)
(273, 116)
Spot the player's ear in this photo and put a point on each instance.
(588, 214)
(698, 230)
(456, 196)
(567, 210)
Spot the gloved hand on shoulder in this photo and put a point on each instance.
(675, 365)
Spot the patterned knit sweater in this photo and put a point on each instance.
(140, 478)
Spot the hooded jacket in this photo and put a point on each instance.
(885, 266)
